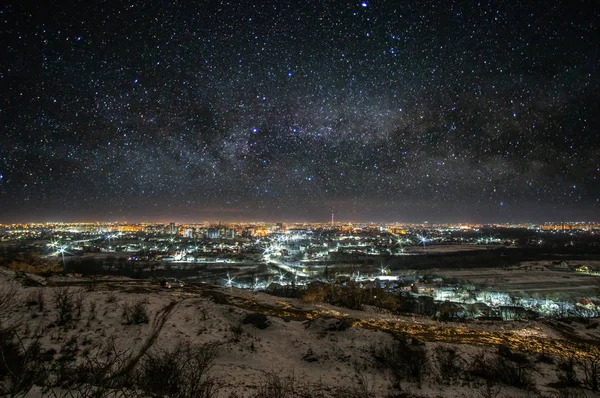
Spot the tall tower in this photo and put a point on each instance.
(332, 222)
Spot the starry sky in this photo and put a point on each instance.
(287, 111)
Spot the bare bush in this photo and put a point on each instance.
(383, 300)
(591, 370)
(257, 319)
(69, 350)
(515, 373)
(64, 301)
(568, 393)
(449, 364)
(184, 371)
(135, 313)
(33, 264)
(79, 297)
(220, 299)
(359, 387)
(92, 311)
(237, 331)
(350, 296)
(513, 370)
(111, 297)
(314, 293)
(403, 361)
(481, 366)
(97, 374)
(20, 367)
(93, 283)
(8, 295)
(490, 390)
(272, 385)
(36, 298)
(567, 375)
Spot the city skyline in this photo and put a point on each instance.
(370, 110)
(556, 225)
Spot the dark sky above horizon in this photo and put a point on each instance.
(375, 110)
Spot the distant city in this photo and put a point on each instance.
(214, 230)
(504, 271)
(304, 241)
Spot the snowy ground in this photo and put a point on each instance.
(299, 340)
(531, 278)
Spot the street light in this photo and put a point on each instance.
(62, 252)
(229, 281)
(383, 270)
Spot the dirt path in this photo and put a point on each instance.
(157, 324)
(424, 332)
(456, 335)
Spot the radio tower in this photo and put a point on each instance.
(332, 220)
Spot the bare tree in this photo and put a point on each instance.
(591, 369)
(566, 372)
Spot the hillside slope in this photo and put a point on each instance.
(119, 336)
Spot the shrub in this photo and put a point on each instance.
(63, 299)
(8, 294)
(272, 385)
(513, 370)
(545, 358)
(403, 361)
(220, 299)
(69, 350)
(92, 311)
(449, 364)
(359, 387)
(591, 370)
(135, 313)
(79, 296)
(184, 371)
(237, 331)
(490, 390)
(257, 320)
(568, 393)
(33, 264)
(567, 376)
(95, 374)
(111, 297)
(339, 325)
(351, 297)
(93, 283)
(383, 300)
(20, 367)
(314, 293)
(35, 298)
(515, 373)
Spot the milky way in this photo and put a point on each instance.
(397, 111)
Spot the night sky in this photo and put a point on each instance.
(288, 111)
